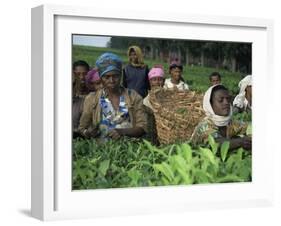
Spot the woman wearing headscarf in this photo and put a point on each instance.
(113, 111)
(176, 81)
(243, 101)
(93, 81)
(156, 80)
(218, 121)
(135, 73)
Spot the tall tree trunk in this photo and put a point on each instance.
(161, 55)
(151, 53)
(202, 58)
(187, 56)
(233, 64)
(156, 53)
(179, 55)
(170, 57)
(224, 63)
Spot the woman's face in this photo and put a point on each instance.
(221, 102)
(133, 57)
(111, 80)
(176, 73)
(156, 82)
(80, 73)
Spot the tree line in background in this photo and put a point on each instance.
(233, 56)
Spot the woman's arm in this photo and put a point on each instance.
(244, 142)
(130, 132)
(85, 126)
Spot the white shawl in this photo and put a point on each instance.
(240, 100)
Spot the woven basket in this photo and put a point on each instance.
(177, 113)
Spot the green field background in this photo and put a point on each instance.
(196, 77)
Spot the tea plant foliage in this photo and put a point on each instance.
(138, 163)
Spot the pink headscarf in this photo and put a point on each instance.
(92, 76)
(155, 72)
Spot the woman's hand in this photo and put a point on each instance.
(246, 143)
(114, 134)
(130, 132)
(90, 132)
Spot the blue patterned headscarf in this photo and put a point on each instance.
(108, 62)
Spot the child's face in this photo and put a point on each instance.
(215, 80)
(176, 74)
(156, 82)
(133, 57)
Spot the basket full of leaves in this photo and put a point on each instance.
(176, 113)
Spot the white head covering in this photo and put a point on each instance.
(216, 119)
(240, 100)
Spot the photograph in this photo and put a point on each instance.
(160, 112)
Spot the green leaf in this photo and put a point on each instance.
(180, 162)
(183, 169)
(134, 175)
(187, 152)
(249, 129)
(230, 178)
(230, 162)
(224, 150)
(103, 167)
(165, 181)
(179, 150)
(244, 172)
(201, 177)
(209, 155)
(213, 144)
(185, 176)
(93, 161)
(154, 149)
(165, 169)
(149, 145)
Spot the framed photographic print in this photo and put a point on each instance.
(139, 112)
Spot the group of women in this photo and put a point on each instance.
(110, 101)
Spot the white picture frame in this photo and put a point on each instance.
(52, 197)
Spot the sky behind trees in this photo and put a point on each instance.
(90, 40)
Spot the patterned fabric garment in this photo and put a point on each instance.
(111, 118)
(181, 86)
(108, 62)
(92, 112)
(206, 127)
